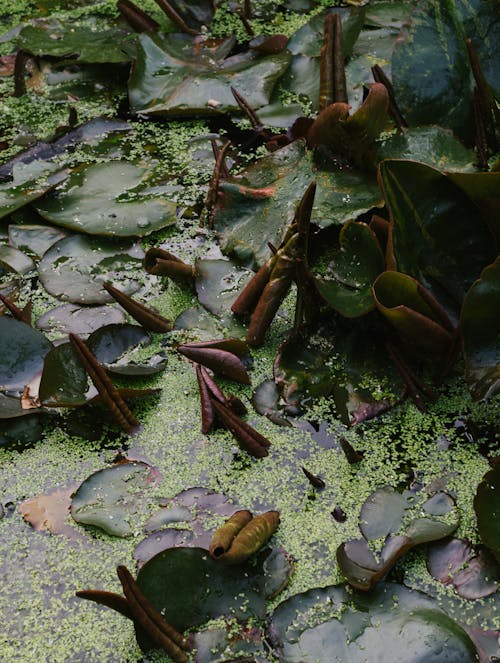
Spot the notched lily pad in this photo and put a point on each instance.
(110, 498)
(174, 75)
(74, 268)
(392, 624)
(113, 198)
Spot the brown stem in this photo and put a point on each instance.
(246, 436)
(136, 17)
(23, 315)
(213, 187)
(108, 392)
(251, 115)
(146, 316)
(380, 77)
(407, 376)
(216, 149)
(175, 17)
(332, 84)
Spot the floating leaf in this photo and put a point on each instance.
(33, 238)
(346, 286)
(473, 574)
(70, 318)
(217, 282)
(431, 70)
(382, 513)
(50, 512)
(22, 355)
(223, 357)
(110, 498)
(188, 587)
(75, 268)
(83, 43)
(393, 624)
(173, 76)
(12, 259)
(479, 325)
(487, 507)
(29, 182)
(116, 198)
(257, 206)
(438, 236)
(65, 381)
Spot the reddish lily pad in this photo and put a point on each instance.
(110, 498)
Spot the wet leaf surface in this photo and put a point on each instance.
(110, 498)
(172, 76)
(71, 318)
(393, 624)
(50, 512)
(74, 268)
(486, 506)
(35, 239)
(113, 199)
(12, 259)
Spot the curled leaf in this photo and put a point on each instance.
(147, 317)
(222, 357)
(247, 437)
(163, 263)
(252, 537)
(223, 538)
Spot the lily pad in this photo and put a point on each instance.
(438, 235)
(393, 624)
(81, 320)
(19, 431)
(172, 76)
(29, 182)
(258, 205)
(74, 268)
(188, 587)
(22, 356)
(218, 283)
(479, 324)
(112, 198)
(65, 382)
(346, 286)
(50, 512)
(487, 508)
(83, 43)
(12, 259)
(432, 78)
(34, 238)
(110, 498)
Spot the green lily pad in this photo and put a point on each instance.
(434, 146)
(432, 78)
(389, 13)
(172, 76)
(392, 624)
(347, 284)
(13, 260)
(35, 239)
(479, 325)
(110, 498)
(81, 320)
(438, 235)
(487, 508)
(22, 355)
(256, 206)
(83, 43)
(109, 343)
(29, 182)
(382, 513)
(188, 587)
(112, 198)
(74, 268)
(65, 382)
(217, 284)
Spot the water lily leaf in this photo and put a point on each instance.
(483, 189)
(434, 146)
(217, 284)
(112, 198)
(34, 238)
(172, 76)
(239, 642)
(109, 343)
(50, 512)
(473, 574)
(65, 381)
(330, 625)
(413, 313)
(110, 498)
(487, 507)
(74, 268)
(432, 233)
(188, 587)
(20, 430)
(431, 71)
(346, 286)
(257, 206)
(81, 320)
(381, 515)
(389, 13)
(23, 352)
(29, 182)
(479, 325)
(83, 43)
(12, 259)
